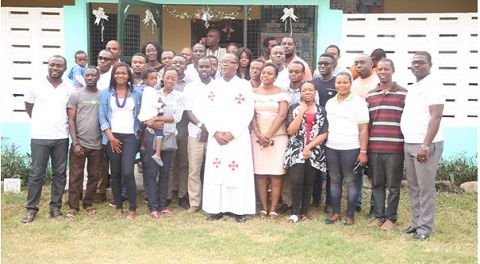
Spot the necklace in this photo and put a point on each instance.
(118, 102)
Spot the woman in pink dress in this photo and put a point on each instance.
(269, 138)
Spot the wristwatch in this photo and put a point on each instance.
(199, 124)
(424, 147)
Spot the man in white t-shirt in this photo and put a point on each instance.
(46, 104)
(196, 96)
(104, 65)
(423, 147)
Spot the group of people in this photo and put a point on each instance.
(224, 128)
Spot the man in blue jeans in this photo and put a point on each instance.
(46, 104)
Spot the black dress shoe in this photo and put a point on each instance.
(29, 217)
(418, 237)
(214, 217)
(183, 202)
(56, 214)
(408, 230)
(241, 218)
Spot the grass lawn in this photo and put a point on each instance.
(189, 238)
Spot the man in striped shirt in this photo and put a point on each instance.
(385, 145)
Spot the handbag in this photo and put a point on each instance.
(265, 123)
(169, 142)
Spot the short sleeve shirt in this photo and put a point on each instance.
(49, 113)
(343, 120)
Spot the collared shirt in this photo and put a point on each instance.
(174, 106)
(296, 96)
(343, 120)
(196, 96)
(416, 114)
(386, 109)
(49, 113)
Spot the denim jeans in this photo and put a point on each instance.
(387, 173)
(302, 176)
(340, 166)
(42, 151)
(122, 170)
(155, 190)
(320, 178)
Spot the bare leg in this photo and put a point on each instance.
(261, 181)
(276, 181)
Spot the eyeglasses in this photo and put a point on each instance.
(104, 58)
(229, 63)
(419, 62)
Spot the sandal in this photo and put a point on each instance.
(306, 218)
(292, 219)
(119, 214)
(263, 214)
(273, 215)
(71, 214)
(349, 221)
(167, 211)
(154, 215)
(91, 211)
(131, 215)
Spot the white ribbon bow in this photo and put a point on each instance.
(288, 13)
(99, 17)
(149, 17)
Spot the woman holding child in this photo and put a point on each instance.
(174, 104)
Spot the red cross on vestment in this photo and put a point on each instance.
(211, 96)
(216, 163)
(233, 165)
(239, 98)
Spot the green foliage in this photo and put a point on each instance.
(17, 165)
(459, 169)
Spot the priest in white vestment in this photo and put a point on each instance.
(229, 181)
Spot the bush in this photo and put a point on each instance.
(459, 169)
(17, 165)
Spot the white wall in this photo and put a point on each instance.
(29, 37)
(451, 39)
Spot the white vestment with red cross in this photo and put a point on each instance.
(229, 181)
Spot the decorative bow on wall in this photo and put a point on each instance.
(149, 18)
(288, 14)
(100, 16)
